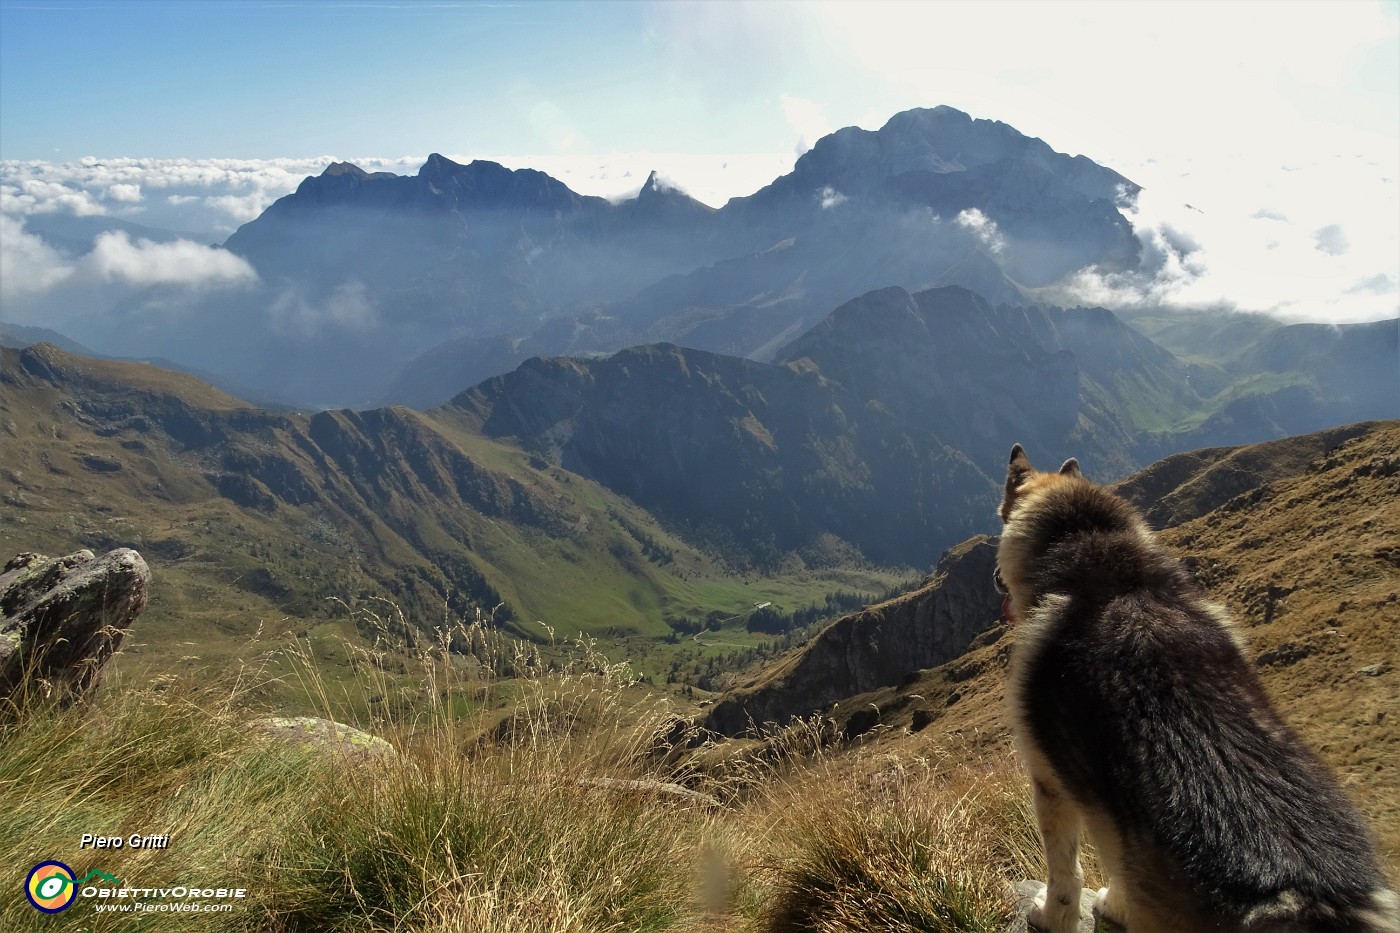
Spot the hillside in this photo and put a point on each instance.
(760, 459)
(251, 517)
(1296, 537)
(975, 373)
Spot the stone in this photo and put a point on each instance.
(62, 619)
(324, 734)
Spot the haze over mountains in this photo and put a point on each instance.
(358, 273)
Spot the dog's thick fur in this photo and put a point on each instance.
(1140, 718)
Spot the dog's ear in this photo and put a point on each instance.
(1019, 464)
(1019, 467)
(1016, 472)
(1070, 468)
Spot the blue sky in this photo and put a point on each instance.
(259, 80)
(1267, 134)
(249, 79)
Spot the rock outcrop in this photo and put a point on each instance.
(876, 647)
(62, 619)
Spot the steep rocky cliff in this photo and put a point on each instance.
(876, 647)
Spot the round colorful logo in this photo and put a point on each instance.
(50, 887)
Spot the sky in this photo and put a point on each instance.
(1266, 134)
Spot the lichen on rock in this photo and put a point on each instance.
(62, 619)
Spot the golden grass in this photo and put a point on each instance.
(491, 819)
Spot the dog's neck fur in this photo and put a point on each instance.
(1049, 515)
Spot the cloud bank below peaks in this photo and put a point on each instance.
(1317, 241)
(39, 281)
(115, 257)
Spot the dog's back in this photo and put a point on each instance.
(1134, 691)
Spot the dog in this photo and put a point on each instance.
(1139, 717)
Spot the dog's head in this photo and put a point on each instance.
(1023, 483)
(1022, 479)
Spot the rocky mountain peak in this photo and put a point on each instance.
(660, 199)
(336, 169)
(943, 141)
(437, 166)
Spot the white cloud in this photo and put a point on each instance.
(129, 194)
(115, 257)
(241, 208)
(42, 196)
(830, 198)
(982, 227)
(204, 195)
(29, 265)
(1325, 247)
(346, 308)
(807, 118)
(1332, 240)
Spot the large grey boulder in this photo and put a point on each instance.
(62, 619)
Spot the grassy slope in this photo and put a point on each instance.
(74, 475)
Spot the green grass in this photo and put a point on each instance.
(1257, 384)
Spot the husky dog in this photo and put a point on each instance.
(1140, 719)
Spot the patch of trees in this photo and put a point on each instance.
(771, 621)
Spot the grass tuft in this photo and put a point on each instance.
(908, 849)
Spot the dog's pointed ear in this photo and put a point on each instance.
(1016, 472)
(1019, 467)
(1070, 468)
(1019, 461)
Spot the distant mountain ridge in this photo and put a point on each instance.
(272, 514)
(480, 266)
(756, 458)
(871, 438)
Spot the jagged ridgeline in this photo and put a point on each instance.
(475, 268)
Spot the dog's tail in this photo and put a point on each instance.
(1382, 915)
(1378, 912)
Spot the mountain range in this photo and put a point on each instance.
(627, 416)
(872, 440)
(375, 288)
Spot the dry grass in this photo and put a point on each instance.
(901, 850)
(487, 820)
